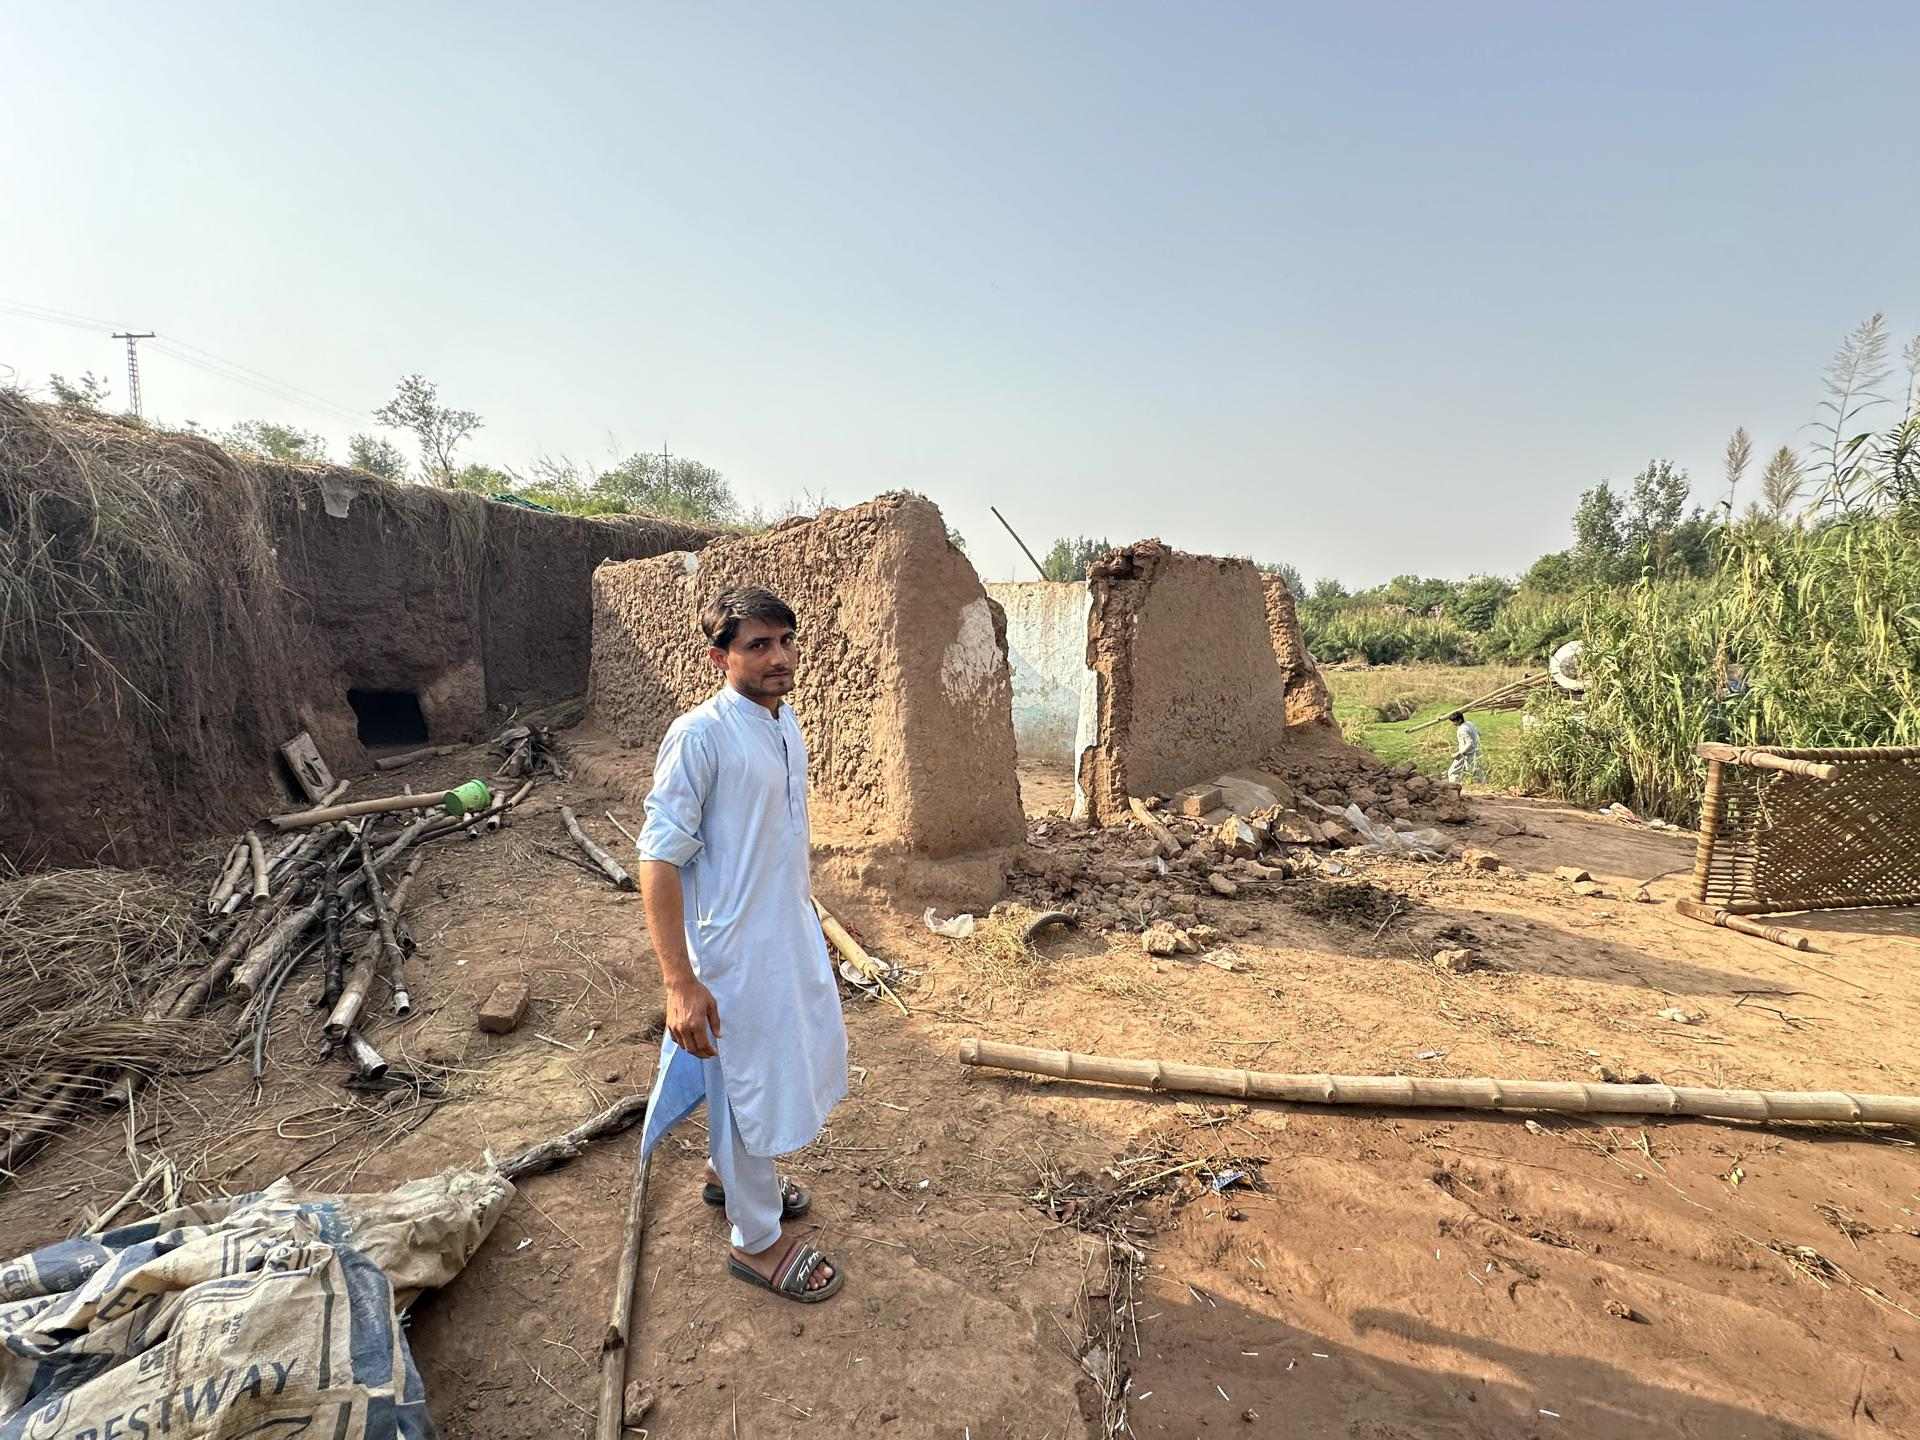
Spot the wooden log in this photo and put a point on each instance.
(257, 857)
(397, 762)
(230, 874)
(1764, 760)
(300, 819)
(1710, 915)
(609, 866)
(1574, 1096)
(559, 1149)
(614, 1348)
(1162, 836)
(245, 932)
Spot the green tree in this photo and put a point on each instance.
(1476, 601)
(1069, 559)
(377, 457)
(1296, 582)
(1553, 574)
(1598, 544)
(86, 393)
(678, 487)
(272, 441)
(416, 408)
(1328, 591)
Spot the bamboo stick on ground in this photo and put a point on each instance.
(497, 816)
(850, 949)
(397, 901)
(353, 995)
(1708, 915)
(632, 839)
(257, 857)
(320, 815)
(608, 865)
(235, 867)
(396, 958)
(614, 1348)
(1573, 1096)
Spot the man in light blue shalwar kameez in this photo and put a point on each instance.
(753, 1013)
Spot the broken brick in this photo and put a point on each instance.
(506, 1007)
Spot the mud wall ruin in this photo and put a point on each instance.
(1309, 702)
(189, 611)
(903, 689)
(1053, 690)
(1188, 684)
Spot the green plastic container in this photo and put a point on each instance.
(468, 799)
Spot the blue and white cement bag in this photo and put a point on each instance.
(272, 1314)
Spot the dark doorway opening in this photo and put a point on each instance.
(388, 717)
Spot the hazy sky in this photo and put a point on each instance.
(1370, 288)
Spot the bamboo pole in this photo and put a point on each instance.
(1766, 760)
(1162, 836)
(300, 819)
(257, 857)
(230, 873)
(1574, 1096)
(1526, 681)
(353, 995)
(396, 958)
(396, 762)
(1021, 543)
(397, 901)
(632, 839)
(850, 949)
(497, 816)
(1710, 915)
(614, 1349)
(608, 865)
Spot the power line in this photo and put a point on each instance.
(192, 355)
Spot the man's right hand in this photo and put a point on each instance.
(693, 1019)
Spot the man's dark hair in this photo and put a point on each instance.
(1457, 718)
(721, 616)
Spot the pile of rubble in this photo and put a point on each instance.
(1167, 874)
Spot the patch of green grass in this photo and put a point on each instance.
(1358, 696)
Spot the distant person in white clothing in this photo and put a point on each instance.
(1468, 762)
(753, 1012)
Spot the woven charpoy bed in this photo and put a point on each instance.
(1799, 829)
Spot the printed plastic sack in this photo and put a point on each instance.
(272, 1314)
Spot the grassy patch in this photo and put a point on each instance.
(1360, 697)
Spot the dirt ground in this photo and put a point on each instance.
(1378, 1274)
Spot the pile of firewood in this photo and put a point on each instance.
(530, 750)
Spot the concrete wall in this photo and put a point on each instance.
(1309, 702)
(245, 605)
(903, 691)
(1188, 684)
(1047, 647)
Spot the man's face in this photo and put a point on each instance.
(761, 661)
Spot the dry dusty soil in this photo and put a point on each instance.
(1034, 1259)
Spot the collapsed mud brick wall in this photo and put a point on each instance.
(1309, 702)
(176, 613)
(903, 689)
(1188, 687)
(1053, 690)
